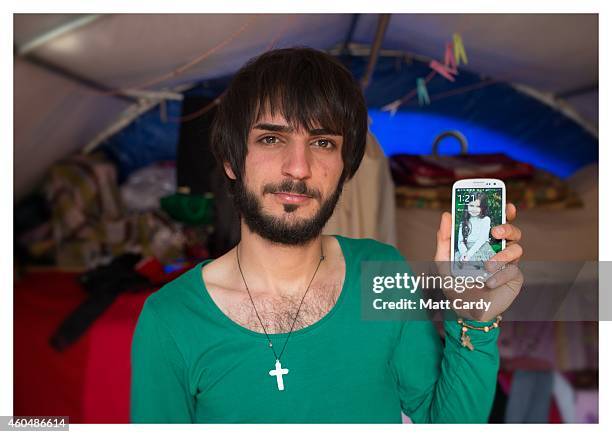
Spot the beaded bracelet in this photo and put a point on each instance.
(465, 339)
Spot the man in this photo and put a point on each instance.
(271, 331)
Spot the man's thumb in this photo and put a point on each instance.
(443, 238)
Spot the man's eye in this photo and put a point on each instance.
(269, 140)
(326, 144)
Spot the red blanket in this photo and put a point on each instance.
(90, 380)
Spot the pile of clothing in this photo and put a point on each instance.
(425, 181)
(85, 219)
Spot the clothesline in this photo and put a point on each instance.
(432, 97)
(462, 90)
(392, 106)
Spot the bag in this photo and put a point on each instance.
(193, 209)
(432, 170)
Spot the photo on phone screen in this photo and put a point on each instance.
(477, 211)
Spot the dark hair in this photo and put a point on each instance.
(466, 226)
(308, 87)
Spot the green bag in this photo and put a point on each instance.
(193, 209)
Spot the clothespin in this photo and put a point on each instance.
(460, 55)
(422, 93)
(392, 107)
(449, 59)
(435, 65)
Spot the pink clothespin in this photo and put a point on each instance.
(449, 59)
(435, 65)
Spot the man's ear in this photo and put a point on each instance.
(228, 170)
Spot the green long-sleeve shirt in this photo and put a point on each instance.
(193, 364)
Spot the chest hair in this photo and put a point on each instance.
(278, 313)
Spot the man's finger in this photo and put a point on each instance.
(510, 272)
(510, 211)
(444, 232)
(507, 231)
(509, 254)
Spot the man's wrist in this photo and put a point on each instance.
(472, 334)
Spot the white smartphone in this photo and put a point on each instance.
(478, 206)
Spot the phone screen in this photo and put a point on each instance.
(477, 211)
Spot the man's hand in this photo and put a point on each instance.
(505, 283)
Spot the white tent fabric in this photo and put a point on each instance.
(57, 55)
(52, 117)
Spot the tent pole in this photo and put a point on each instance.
(350, 33)
(577, 91)
(81, 80)
(57, 32)
(383, 23)
(128, 95)
(558, 104)
(364, 50)
(147, 94)
(130, 114)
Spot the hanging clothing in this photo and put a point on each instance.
(366, 208)
(530, 397)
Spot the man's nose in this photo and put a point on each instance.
(297, 160)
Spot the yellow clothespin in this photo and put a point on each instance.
(460, 55)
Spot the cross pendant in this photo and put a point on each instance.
(466, 342)
(278, 371)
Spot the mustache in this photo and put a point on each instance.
(293, 187)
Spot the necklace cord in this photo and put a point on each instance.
(278, 357)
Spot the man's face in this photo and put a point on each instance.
(291, 181)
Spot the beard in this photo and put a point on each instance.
(294, 232)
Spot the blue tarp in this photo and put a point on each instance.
(146, 140)
(494, 118)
